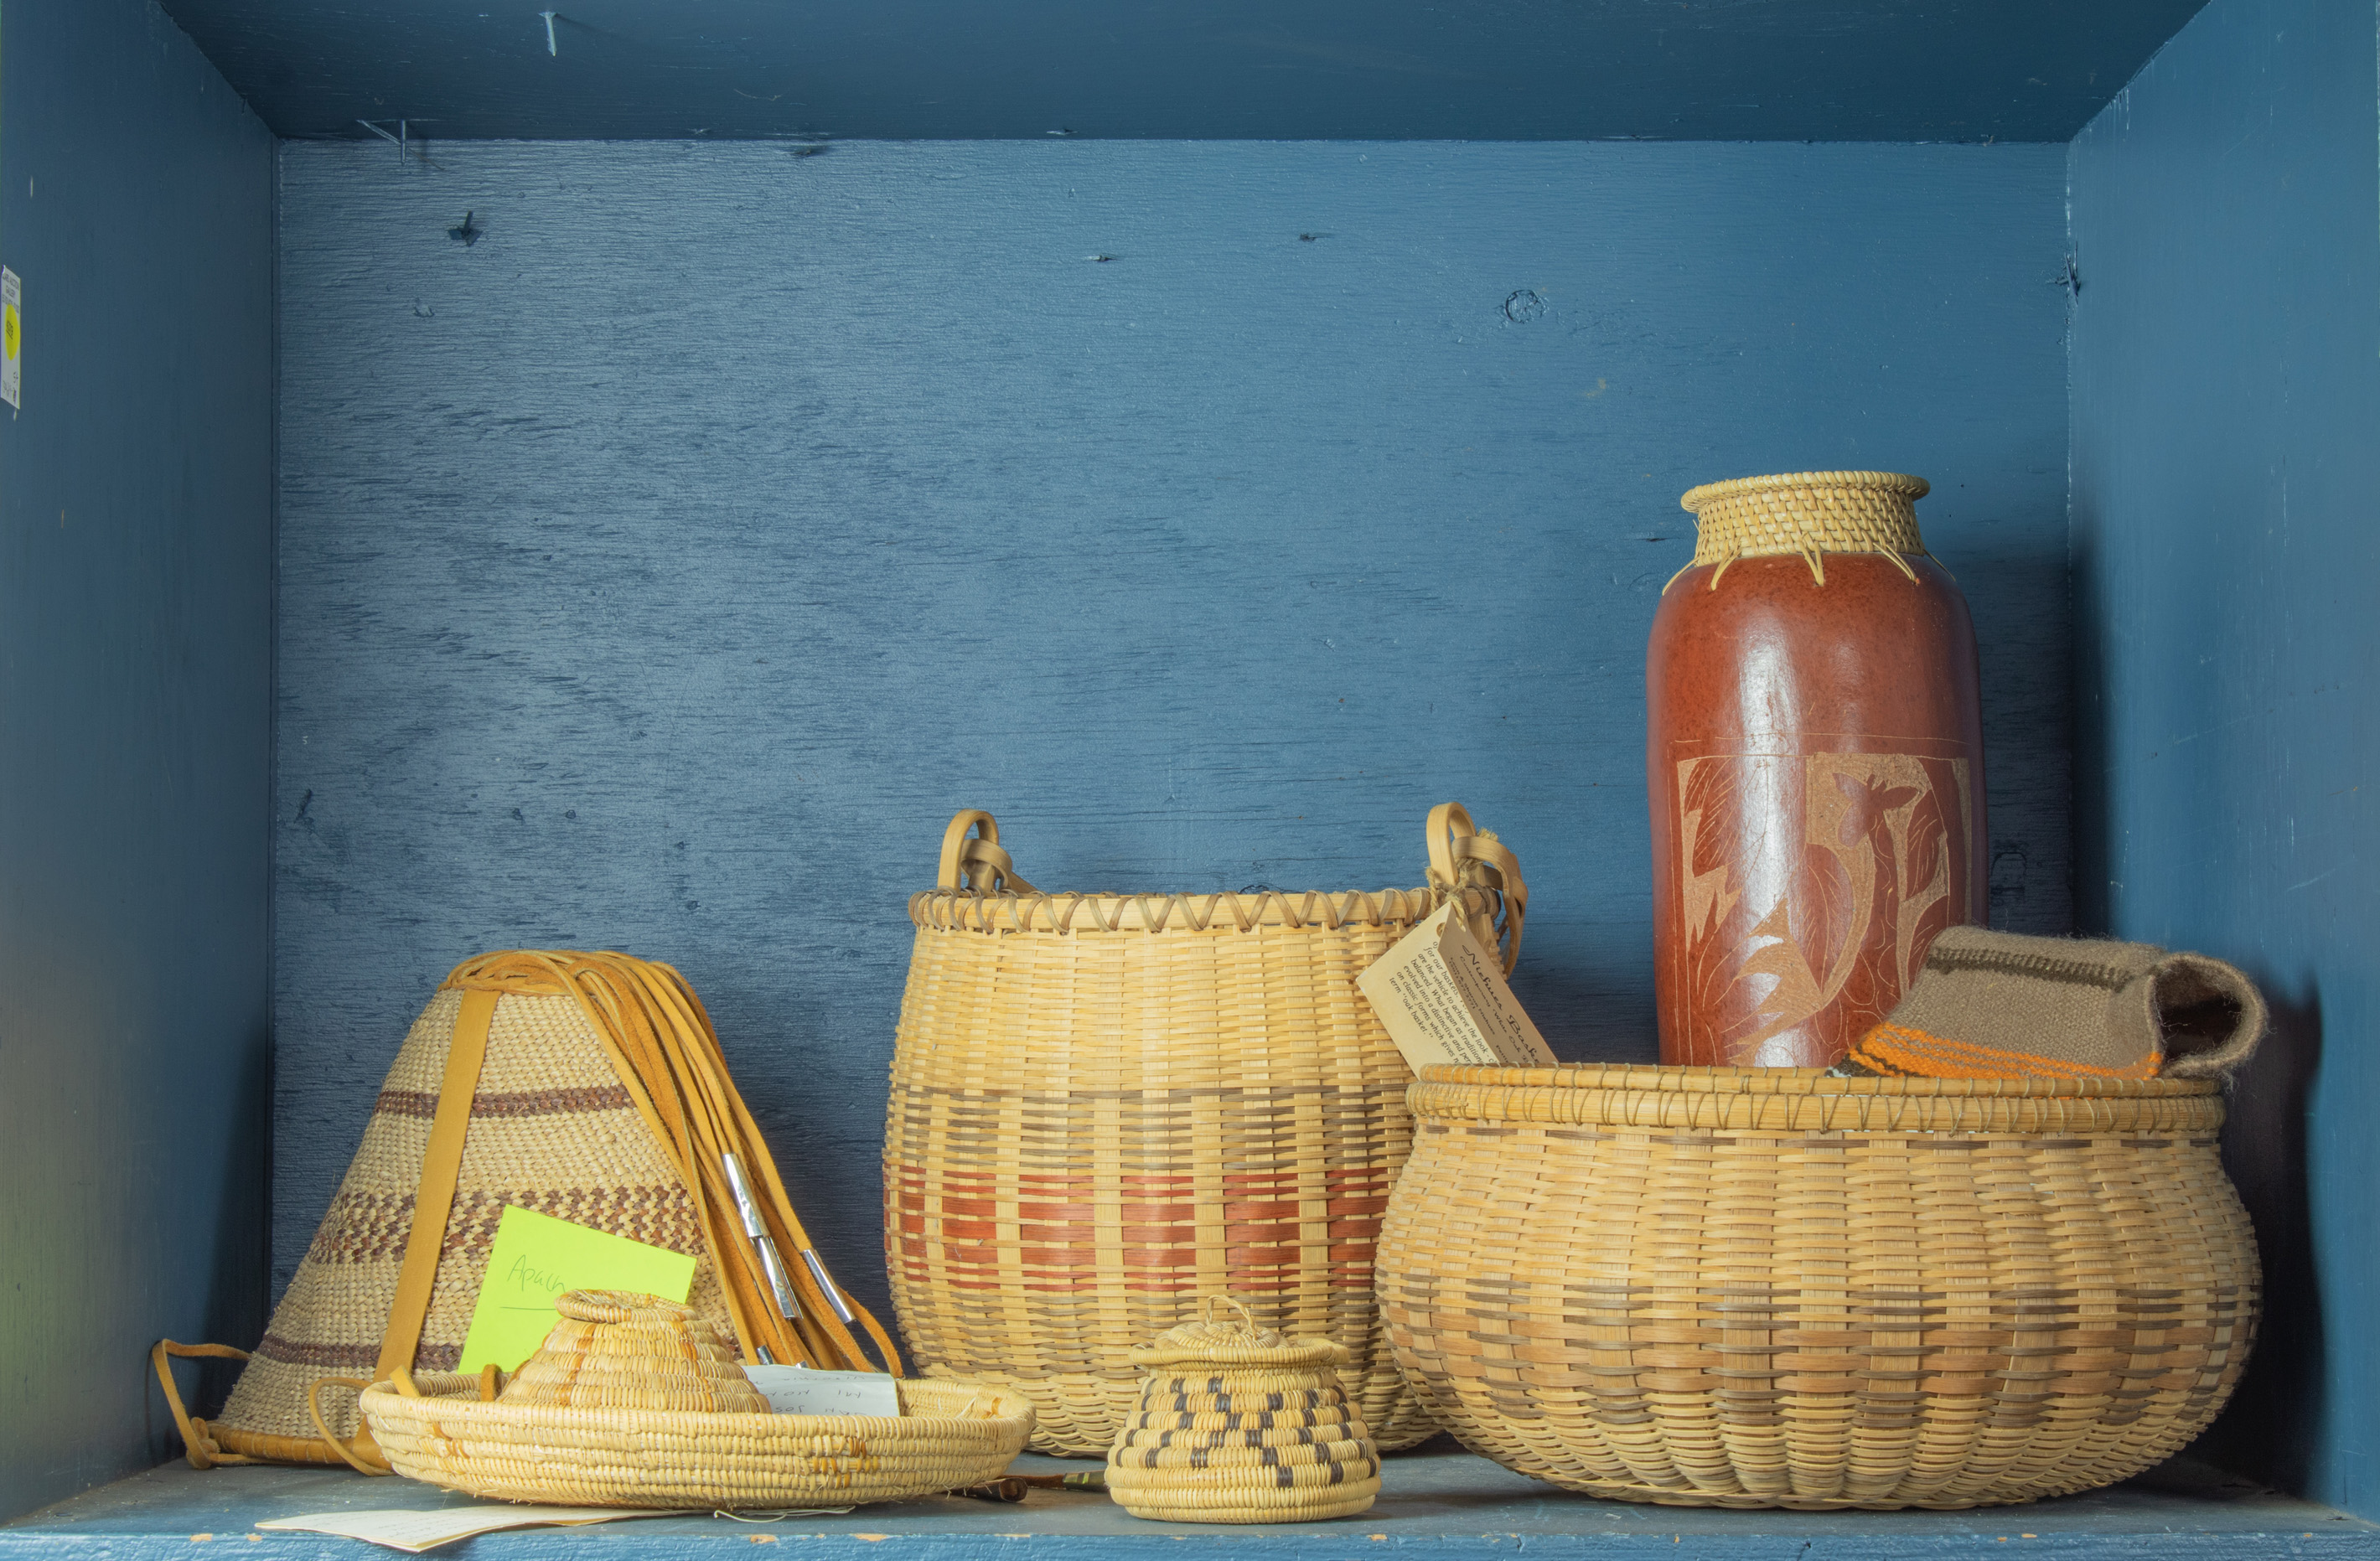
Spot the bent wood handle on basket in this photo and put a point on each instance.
(1464, 856)
(977, 858)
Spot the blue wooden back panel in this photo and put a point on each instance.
(2226, 399)
(669, 549)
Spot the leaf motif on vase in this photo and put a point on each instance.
(1813, 886)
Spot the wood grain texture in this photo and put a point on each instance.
(662, 568)
(2031, 70)
(136, 555)
(2226, 384)
(1438, 1503)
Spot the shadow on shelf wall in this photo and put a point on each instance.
(2226, 379)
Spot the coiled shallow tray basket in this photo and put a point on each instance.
(948, 1434)
(1104, 1108)
(1770, 1288)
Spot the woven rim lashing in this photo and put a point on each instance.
(949, 1436)
(1805, 515)
(961, 909)
(1810, 1100)
(1770, 1288)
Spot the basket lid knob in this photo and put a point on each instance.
(1241, 1342)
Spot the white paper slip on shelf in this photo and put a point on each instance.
(798, 1390)
(415, 1531)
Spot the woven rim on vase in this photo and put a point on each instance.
(1810, 1100)
(950, 1434)
(1807, 513)
(1698, 499)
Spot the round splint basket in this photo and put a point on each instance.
(1746, 1287)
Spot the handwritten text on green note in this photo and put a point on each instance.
(535, 1258)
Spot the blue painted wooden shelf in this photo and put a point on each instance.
(1438, 1501)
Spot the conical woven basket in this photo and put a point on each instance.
(637, 1401)
(553, 1131)
(1236, 1424)
(550, 1124)
(1772, 1288)
(1106, 1106)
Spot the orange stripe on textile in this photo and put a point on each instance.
(1896, 1050)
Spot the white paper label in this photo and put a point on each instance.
(798, 1390)
(12, 339)
(413, 1533)
(1442, 997)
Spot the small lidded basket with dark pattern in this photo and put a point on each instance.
(1237, 1424)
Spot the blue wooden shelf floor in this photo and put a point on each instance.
(1438, 1501)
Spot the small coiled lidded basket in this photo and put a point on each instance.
(624, 1349)
(1237, 1424)
(1767, 1286)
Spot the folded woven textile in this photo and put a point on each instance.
(1998, 1005)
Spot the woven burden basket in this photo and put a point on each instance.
(1770, 1287)
(1236, 1424)
(617, 1409)
(586, 1086)
(1106, 1106)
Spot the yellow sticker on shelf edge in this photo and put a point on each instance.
(12, 332)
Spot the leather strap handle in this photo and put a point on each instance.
(197, 1444)
(1461, 856)
(433, 1202)
(363, 1456)
(977, 862)
(442, 1166)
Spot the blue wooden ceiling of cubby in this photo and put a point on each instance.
(1968, 70)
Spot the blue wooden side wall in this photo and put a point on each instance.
(674, 535)
(2226, 456)
(135, 202)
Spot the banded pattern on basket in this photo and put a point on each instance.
(1770, 1287)
(1087, 1131)
(548, 1097)
(1252, 1445)
(1236, 1424)
(1106, 1106)
(948, 1435)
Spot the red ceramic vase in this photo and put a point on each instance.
(1815, 755)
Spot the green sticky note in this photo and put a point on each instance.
(535, 1258)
